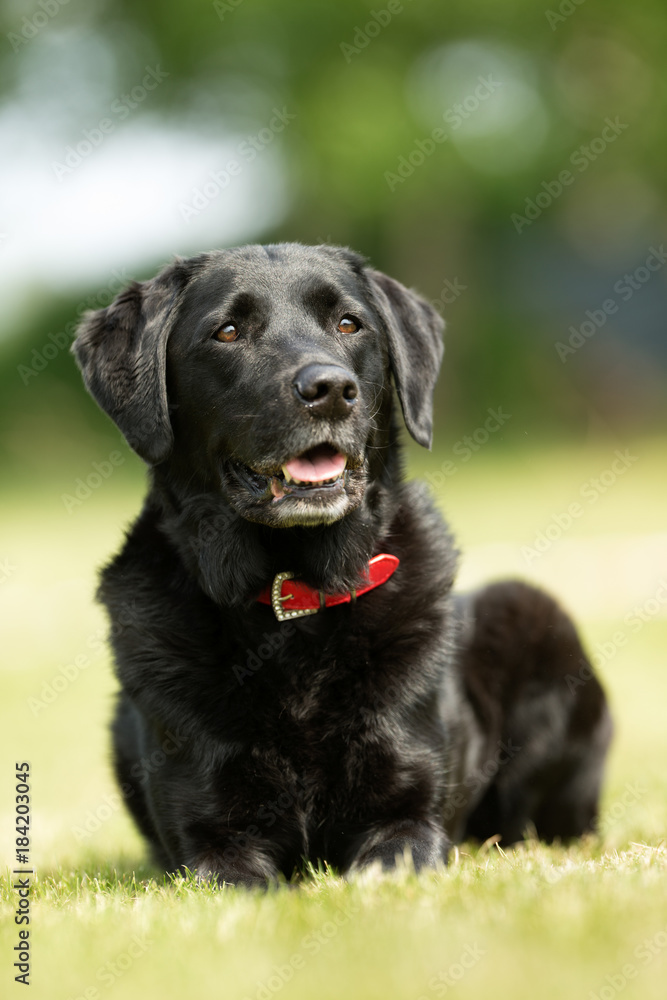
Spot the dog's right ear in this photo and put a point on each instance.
(121, 351)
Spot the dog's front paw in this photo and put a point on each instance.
(411, 844)
(253, 870)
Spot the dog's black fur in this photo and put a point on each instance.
(391, 726)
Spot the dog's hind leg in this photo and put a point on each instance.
(128, 754)
(544, 717)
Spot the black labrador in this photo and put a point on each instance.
(298, 682)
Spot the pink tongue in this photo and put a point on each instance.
(316, 466)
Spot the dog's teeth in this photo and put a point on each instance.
(307, 482)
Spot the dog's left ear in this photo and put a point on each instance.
(414, 332)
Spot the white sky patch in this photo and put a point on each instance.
(119, 207)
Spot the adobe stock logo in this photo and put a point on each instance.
(31, 26)
(625, 288)
(591, 491)
(566, 8)
(246, 151)
(83, 489)
(119, 109)
(454, 117)
(581, 159)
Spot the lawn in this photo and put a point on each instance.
(588, 920)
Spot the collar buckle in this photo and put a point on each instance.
(277, 598)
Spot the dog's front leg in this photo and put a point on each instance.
(422, 842)
(249, 867)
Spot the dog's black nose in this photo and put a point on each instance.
(327, 390)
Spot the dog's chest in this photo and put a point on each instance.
(319, 710)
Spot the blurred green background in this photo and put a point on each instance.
(120, 121)
(507, 160)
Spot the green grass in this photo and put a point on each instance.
(537, 921)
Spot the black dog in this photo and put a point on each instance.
(301, 699)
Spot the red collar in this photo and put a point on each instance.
(304, 600)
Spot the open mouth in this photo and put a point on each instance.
(316, 486)
(320, 468)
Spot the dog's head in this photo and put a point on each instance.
(264, 373)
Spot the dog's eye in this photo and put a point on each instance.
(226, 333)
(348, 325)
